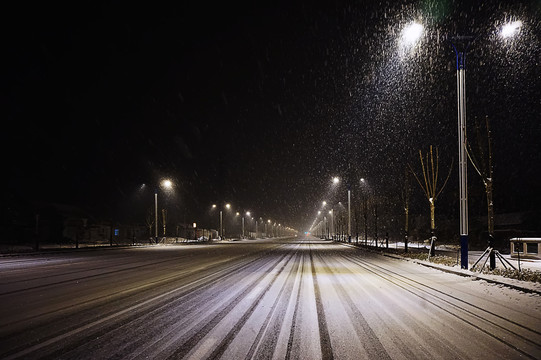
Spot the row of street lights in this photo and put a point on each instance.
(167, 186)
(320, 227)
(409, 37)
(249, 215)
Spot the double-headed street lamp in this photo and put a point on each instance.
(221, 230)
(460, 44)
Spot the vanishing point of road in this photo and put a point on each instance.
(298, 298)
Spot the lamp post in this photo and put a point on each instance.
(221, 229)
(247, 213)
(167, 184)
(331, 213)
(336, 180)
(460, 45)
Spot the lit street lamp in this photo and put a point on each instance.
(221, 230)
(460, 45)
(166, 184)
(335, 181)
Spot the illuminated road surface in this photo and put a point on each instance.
(301, 299)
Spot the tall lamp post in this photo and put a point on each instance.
(460, 45)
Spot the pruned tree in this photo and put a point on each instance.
(149, 220)
(430, 167)
(405, 194)
(164, 220)
(482, 163)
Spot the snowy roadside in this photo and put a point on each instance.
(526, 286)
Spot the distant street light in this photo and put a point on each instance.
(166, 184)
(331, 213)
(247, 214)
(221, 230)
(335, 181)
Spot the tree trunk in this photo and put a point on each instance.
(432, 251)
(490, 205)
(406, 229)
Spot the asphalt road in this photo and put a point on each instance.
(288, 298)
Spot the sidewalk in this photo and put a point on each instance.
(526, 286)
(473, 256)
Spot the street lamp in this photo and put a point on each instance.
(220, 231)
(335, 181)
(460, 45)
(167, 185)
(331, 213)
(247, 214)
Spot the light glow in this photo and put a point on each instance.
(166, 183)
(511, 29)
(411, 34)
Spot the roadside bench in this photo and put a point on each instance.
(529, 248)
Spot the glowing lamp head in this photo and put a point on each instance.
(167, 184)
(511, 29)
(411, 34)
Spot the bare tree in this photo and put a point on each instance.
(430, 167)
(149, 220)
(164, 220)
(482, 163)
(406, 191)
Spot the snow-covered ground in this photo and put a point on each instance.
(264, 299)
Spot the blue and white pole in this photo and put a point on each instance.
(460, 45)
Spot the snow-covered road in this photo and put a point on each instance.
(289, 298)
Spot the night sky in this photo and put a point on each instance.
(258, 104)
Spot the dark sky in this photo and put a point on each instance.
(257, 104)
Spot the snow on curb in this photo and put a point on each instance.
(526, 286)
